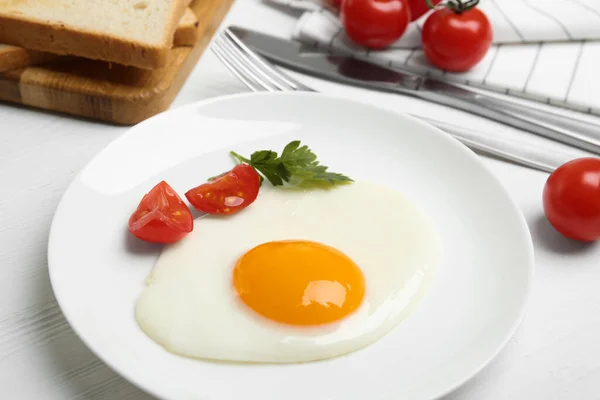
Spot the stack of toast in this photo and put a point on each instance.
(138, 40)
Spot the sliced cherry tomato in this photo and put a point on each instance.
(419, 7)
(572, 199)
(375, 23)
(161, 216)
(456, 41)
(227, 194)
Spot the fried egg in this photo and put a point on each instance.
(300, 275)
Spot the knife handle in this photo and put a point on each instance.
(562, 129)
(528, 155)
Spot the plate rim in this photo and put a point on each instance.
(467, 152)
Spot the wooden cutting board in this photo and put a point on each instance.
(111, 92)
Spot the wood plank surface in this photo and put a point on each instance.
(111, 92)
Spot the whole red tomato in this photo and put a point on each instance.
(572, 199)
(375, 23)
(419, 7)
(456, 41)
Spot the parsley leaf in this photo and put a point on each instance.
(297, 166)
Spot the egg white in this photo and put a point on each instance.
(190, 307)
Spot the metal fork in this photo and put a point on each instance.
(259, 75)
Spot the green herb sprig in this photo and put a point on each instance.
(297, 165)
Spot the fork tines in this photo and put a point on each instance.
(249, 67)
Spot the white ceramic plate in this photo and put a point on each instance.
(477, 301)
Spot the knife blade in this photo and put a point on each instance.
(347, 70)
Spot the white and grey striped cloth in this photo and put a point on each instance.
(545, 50)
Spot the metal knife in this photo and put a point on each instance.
(309, 60)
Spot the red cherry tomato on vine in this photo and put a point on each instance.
(419, 7)
(375, 23)
(227, 194)
(456, 41)
(161, 216)
(572, 199)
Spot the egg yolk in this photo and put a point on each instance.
(299, 282)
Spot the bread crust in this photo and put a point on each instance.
(12, 57)
(60, 39)
(187, 33)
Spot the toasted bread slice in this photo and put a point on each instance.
(129, 32)
(187, 33)
(12, 57)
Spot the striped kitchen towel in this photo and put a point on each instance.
(544, 50)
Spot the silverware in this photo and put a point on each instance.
(259, 75)
(299, 57)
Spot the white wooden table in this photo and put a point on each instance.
(555, 354)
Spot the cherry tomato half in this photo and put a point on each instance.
(375, 23)
(161, 216)
(419, 7)
(572, 199)
(227, 194)
(454, 41)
